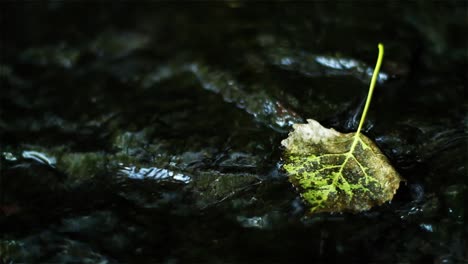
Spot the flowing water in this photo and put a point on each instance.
(150, 133)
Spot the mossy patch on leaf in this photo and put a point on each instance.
(332, 178)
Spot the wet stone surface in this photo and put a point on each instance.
(151, 133)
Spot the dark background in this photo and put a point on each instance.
(150, 132)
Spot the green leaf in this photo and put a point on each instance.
(336, 172)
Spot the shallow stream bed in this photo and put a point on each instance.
(150, 133)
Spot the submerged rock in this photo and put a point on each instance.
(150, 134)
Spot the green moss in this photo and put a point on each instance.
(83, 165)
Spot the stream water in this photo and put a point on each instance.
(150, 133)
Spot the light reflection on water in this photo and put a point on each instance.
(349, 64)
(39, 157)
(154, 173)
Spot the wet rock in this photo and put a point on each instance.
(261, 105)
(152, 134)
(59, 56)
(118, 44)
(50, 247)
(211, 188)
(454, 199)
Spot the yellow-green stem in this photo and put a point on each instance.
(375, 75)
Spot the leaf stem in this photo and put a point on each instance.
(371, 88)
(369, 96)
